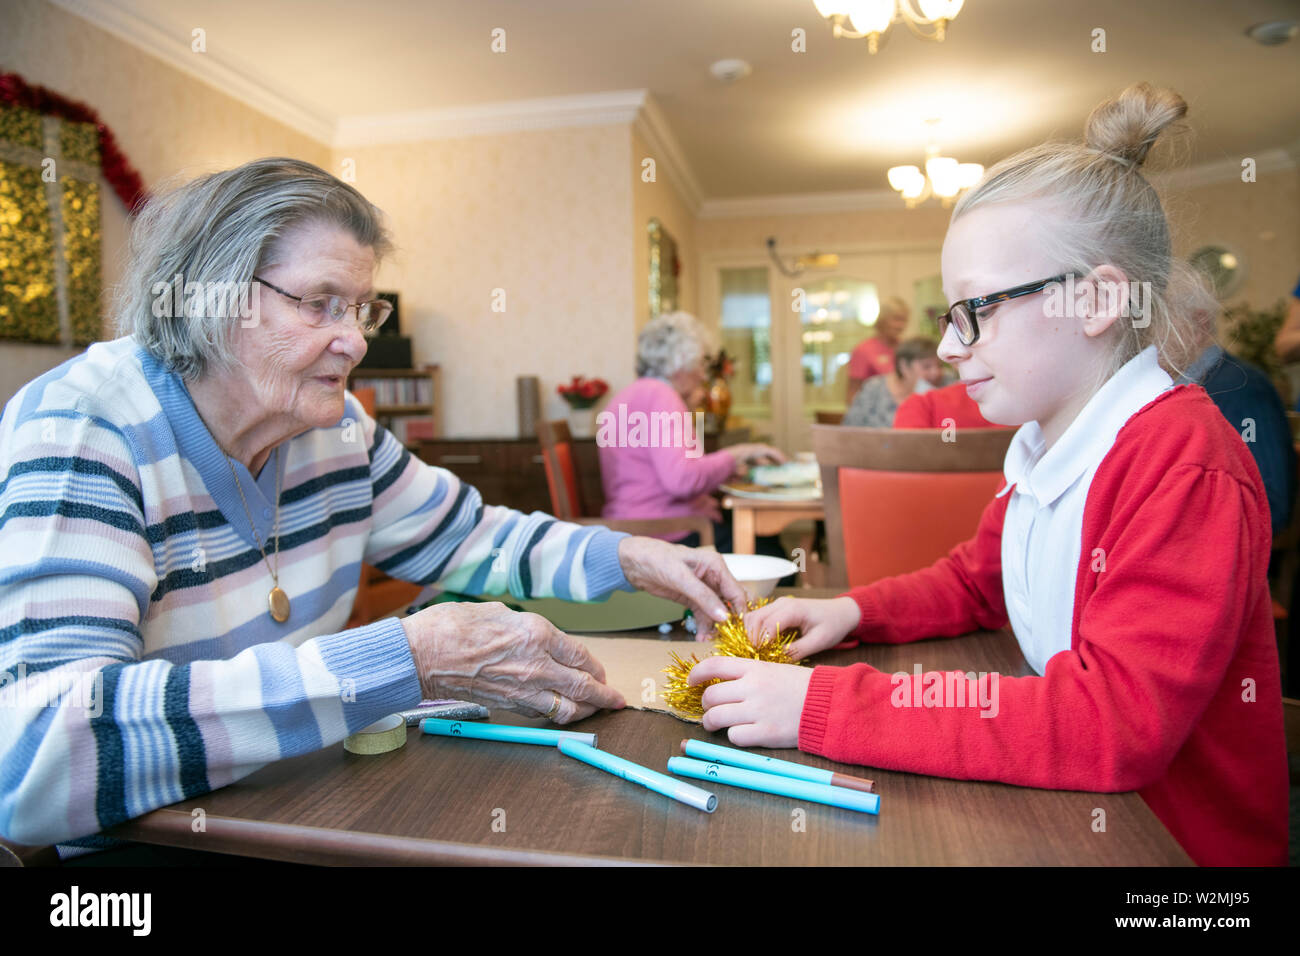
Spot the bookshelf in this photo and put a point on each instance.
(402, 396)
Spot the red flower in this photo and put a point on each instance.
(583, 392)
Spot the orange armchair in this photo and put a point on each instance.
(898, 499)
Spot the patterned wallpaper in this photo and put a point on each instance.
(1260, 220)
(166, 122)
(545, 217)
(660, 200)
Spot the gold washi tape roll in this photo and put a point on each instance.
(380, 737)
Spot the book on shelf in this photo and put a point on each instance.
(415, 390)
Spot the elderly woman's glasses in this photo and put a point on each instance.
(321, 308)
(963, 314)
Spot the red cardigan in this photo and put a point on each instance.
(1171, 684)
(931, 409)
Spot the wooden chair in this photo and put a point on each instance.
(566, 491)
(829, 418)
(377, 593)
(898, 499)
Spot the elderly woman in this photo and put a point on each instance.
(186, 511)
(916, 369)
(651, 478)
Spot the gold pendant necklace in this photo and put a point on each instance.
(277, 600)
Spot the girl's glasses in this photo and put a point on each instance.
(321, 308)
(963, 314)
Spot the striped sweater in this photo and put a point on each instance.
(139, 664)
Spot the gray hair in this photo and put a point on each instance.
(670, 343)
(218, 230)
(1110, 214)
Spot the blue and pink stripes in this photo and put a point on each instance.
(127, 561)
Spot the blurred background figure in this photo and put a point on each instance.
(916, 369)
(941, 408)
(875, 356)
(642, 481)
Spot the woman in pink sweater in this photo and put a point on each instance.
(652, 460)
(1128, 549)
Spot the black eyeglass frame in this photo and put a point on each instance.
(984, 301)
(370, 305)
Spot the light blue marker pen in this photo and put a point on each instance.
(635, 773)
(771, 783)
(703, 750)
(504, 732)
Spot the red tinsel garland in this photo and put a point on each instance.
(121, 175)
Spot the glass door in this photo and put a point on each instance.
(791, 338)
(746, 333)
(829, 313)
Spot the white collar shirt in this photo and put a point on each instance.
(1042, 536)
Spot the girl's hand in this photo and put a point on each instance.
(823, 623)
(760, 702)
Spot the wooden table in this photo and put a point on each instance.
(751, 517)
(437, 800)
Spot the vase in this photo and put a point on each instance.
(582, 422)
(720, 400)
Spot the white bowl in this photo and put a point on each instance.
(758, 573)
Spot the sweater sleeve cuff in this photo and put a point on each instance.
(815, 717)
(872, 618)
(376, 663)
(601, 566)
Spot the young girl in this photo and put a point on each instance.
(1128, 549)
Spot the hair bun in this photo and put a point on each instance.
(1127, 126)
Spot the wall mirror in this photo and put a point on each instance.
(664, 268)
(1222, 265)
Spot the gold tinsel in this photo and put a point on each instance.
(29, 293)
(732, 640)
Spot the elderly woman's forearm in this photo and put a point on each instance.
(128, 738)
(431, 528)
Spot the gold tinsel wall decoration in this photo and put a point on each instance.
(732, 640)
(49, 229)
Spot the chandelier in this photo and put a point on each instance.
(943, 177)
(856, 19)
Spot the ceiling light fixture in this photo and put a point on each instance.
(817, 260)
(943, 177)
(871, 19)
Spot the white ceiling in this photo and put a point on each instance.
(833, 119)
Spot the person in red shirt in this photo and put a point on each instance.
(1127, 550)
(875, 356)
(945, 407)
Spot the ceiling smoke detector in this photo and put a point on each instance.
(1273, 32)
(729, 71)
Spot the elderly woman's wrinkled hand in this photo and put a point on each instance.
(698, 579)
(502, 658)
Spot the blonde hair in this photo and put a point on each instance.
(893, 306)
(1110, 214)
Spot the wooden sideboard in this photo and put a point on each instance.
(509, 471)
